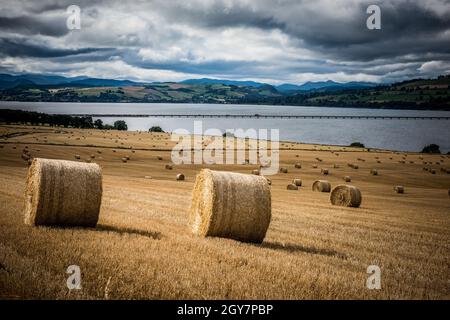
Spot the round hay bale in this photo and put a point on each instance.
(399, 189)
(147, 177)
(77, 156)
(255, 172)
(291, 186)
(159, 158)
(374, 172)
(314, 166)
(92, 156)
(124, 160)
(347, 179)
(298, 166)
(61, 192)
(346, 196)
(321, 186)
(180, 177)
(168, 167)
(230, 205)
(297, 182)
(432, 171)
(25, 156)
(324, 171)
(127, 157)
(114, 150)
(283, 170)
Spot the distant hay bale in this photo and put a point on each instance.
(25, 156)
(283, 170)
(180, 177)
(296, 155)
(124, 160)
(159, 157)
(147, 177)
(291, 186)
(92, 156)
(99, 151)
(314, 166)
(230, 205)
(114, 150)
(298, 166)
(347, 179)
(127, 157)
(61, 192)
(88, 160)
(318, 159)
(255, 172)
(168, 167)
(374, 172)
(321, 186)
(432, 171)
(399, 189)
(425, 169)
(324, 171)
(77, 156)
(297, 182)
(345, 195)
(378, 161)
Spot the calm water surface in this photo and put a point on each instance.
(407, 135)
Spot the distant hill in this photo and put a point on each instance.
(225, 82)
(324, 85)
(10, 81)
(432, 94)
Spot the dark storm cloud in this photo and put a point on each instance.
(21, 48)
(30, 25)
(276, 39)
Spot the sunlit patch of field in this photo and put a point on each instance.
(143, 248)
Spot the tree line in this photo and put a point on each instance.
(37, 118)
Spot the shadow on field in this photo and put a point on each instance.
(292, 248)
(125, 230)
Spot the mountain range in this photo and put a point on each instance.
(430, 94)
(8, 81)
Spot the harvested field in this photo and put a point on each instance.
(143, 248)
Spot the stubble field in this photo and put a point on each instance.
(142, 247)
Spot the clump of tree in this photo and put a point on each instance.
(120, 125)
(36, 118)
(431, 148)
(357, 145)
(155, 129)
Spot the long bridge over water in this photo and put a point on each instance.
(263, 116)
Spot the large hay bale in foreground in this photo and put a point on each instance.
(345, 195)
(65, 193)
(321, 186)
(230, 205)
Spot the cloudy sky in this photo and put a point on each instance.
(273, 41)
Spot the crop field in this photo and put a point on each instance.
(143, 248)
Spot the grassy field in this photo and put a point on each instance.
(143, 248)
